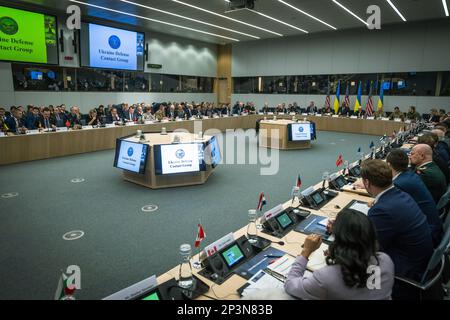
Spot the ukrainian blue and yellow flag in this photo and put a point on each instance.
(358, 102)
(336, 99)
(381, 99)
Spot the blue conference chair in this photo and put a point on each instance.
(430, 285)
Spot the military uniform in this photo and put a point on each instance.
(433, 178)
(397, 115)
(413, 116)
(159, 115)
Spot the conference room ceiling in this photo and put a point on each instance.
(326, 10)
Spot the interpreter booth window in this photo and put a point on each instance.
(189, 84)
(445, 84)
(205, 84)
(37, 78)
(156, 82)
(247, 85)
(294, 84)
(280, 85)
(351, 81)
(136, 82)
(70, 79)
(94, 80)
(269, 85)
(317, 84)
(413, 83)
(170, 83)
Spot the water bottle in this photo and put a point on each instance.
(186, 280)
(252, 230)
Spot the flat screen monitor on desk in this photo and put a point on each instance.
(131, 156)
(233, 255)
(212, 152)
(153, 295)
(299, 131)
(317, 197)
(284, 220)
(179, 158)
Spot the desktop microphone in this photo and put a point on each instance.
(281, 243)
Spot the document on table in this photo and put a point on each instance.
(361, 207)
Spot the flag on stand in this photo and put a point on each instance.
(328, 102)
(299, 181)
(261, 202)
(347, 96)
(358, 103)
(200, 236)
(336, 99)
(339, 161)
(63, 289)
(369, 105)
(381, 99)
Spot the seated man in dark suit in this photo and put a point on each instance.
(442, 148)
(345, 111)
(15, 123)
(410, 182)
(130, 115)
(59, 117)
(402, 228)
(421, 157)
(361, 113)
(431, 140)
(46, 122)
(74, 117)
(113, 117)
(311, 108)
(32, 119)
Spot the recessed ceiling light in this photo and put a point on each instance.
(279, 21)
(187, 18)
(444, 3)
(307, 14)
(396, 10)
(154, 20)
(349, 11)
(225, 17)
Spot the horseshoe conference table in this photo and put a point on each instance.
(36, 146)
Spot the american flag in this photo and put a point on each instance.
(369, 105)
(328, 102)
(347, 97)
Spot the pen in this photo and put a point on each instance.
(272, 256)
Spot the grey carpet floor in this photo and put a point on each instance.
(123, 245)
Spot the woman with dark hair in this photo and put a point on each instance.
(355, 269)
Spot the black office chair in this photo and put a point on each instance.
(443, 204)
(431, 284)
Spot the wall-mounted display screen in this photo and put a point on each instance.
(28, 36)
(111, 48)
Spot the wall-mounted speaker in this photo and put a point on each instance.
(75, 41)
(146, 53)
(61, 40)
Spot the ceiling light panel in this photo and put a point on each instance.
(153, 20)
(187, 18)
